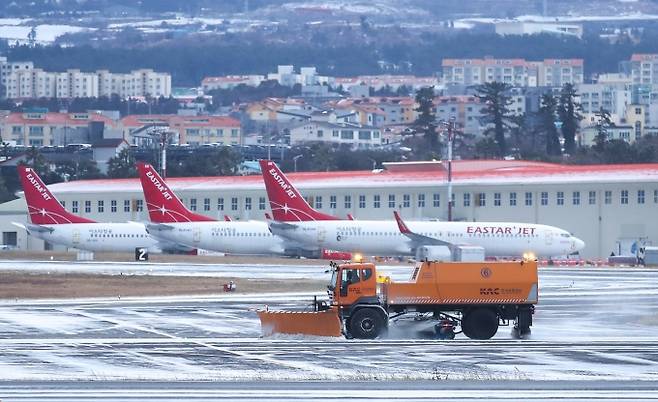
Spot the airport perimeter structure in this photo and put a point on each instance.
(610, 207)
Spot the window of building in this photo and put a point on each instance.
(332, 202)
(640, 196)
(88, 206)
(347, 134)
(113, 206)
(624, 197)
(406, 201)
(467, 199)
(482, 199)
(220, 204)
(421, 200)
(544, 198)
(497, 199)
(436, 200)
(528, 198)
(318, 202)
(139, 205)
(247, 203)
(655, 196)
(261, 203)
(391, 200)
(74, 207)
(560, 198)
(193, 204)
(348, 202)
(576, 198)
(376, 201)
(608, 197)
(362, 201)
(592, 197)
(320, 133)
(101, 206)
(234, 132)
(126, 205)
(512, 199)
(206, 204)
(234, 203)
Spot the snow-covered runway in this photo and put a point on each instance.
(592, 326)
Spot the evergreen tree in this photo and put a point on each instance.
(602, 124)
(122, 165)
(547, 115)
(496, 100)
(569, 113)
(426, 121)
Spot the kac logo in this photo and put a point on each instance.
(485, 272)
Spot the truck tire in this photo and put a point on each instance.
(366, 323)
(480, 323)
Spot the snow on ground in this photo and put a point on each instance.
(45, 33)
(590, 324)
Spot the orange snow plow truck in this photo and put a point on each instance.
(470, 297)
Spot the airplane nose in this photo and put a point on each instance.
(577, 244)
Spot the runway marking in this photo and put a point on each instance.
(314, 368)
(336, 394)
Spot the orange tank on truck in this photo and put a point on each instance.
(476, 297)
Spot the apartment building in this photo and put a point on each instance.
(42, 128)
(644, 69)
(192, 130)
(515, 72)
(21, 81)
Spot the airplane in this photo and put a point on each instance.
(172, 221)
(294, 219)
(49, 221)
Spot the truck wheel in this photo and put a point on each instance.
(366, 323)
(480, 323)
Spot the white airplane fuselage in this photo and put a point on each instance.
(251, 237)
(101, 237)
(384, 238)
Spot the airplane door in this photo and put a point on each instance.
(549, 238)
(322, 234)
(196, 234)
(75, 237)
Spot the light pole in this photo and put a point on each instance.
(294, 160)
(450, 126)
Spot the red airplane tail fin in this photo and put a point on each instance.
(286, 202)
(162, 204)
(404, 229)
(42, 206)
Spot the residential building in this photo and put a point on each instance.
(464, 110)
(611, 97)
(39, 127)
(644, 69)
(515, 72)
(21, 81)
(355, 135)
(230, 81)
(192, 130)
(621, 132)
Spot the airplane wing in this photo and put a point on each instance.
(417, 238)
(157, 227)
(30, 227)
(281, 226)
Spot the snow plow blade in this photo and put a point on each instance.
(318, 323)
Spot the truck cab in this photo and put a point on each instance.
(353, 283)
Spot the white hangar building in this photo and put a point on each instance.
(610, 207)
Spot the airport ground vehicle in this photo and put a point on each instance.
(476, 296)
